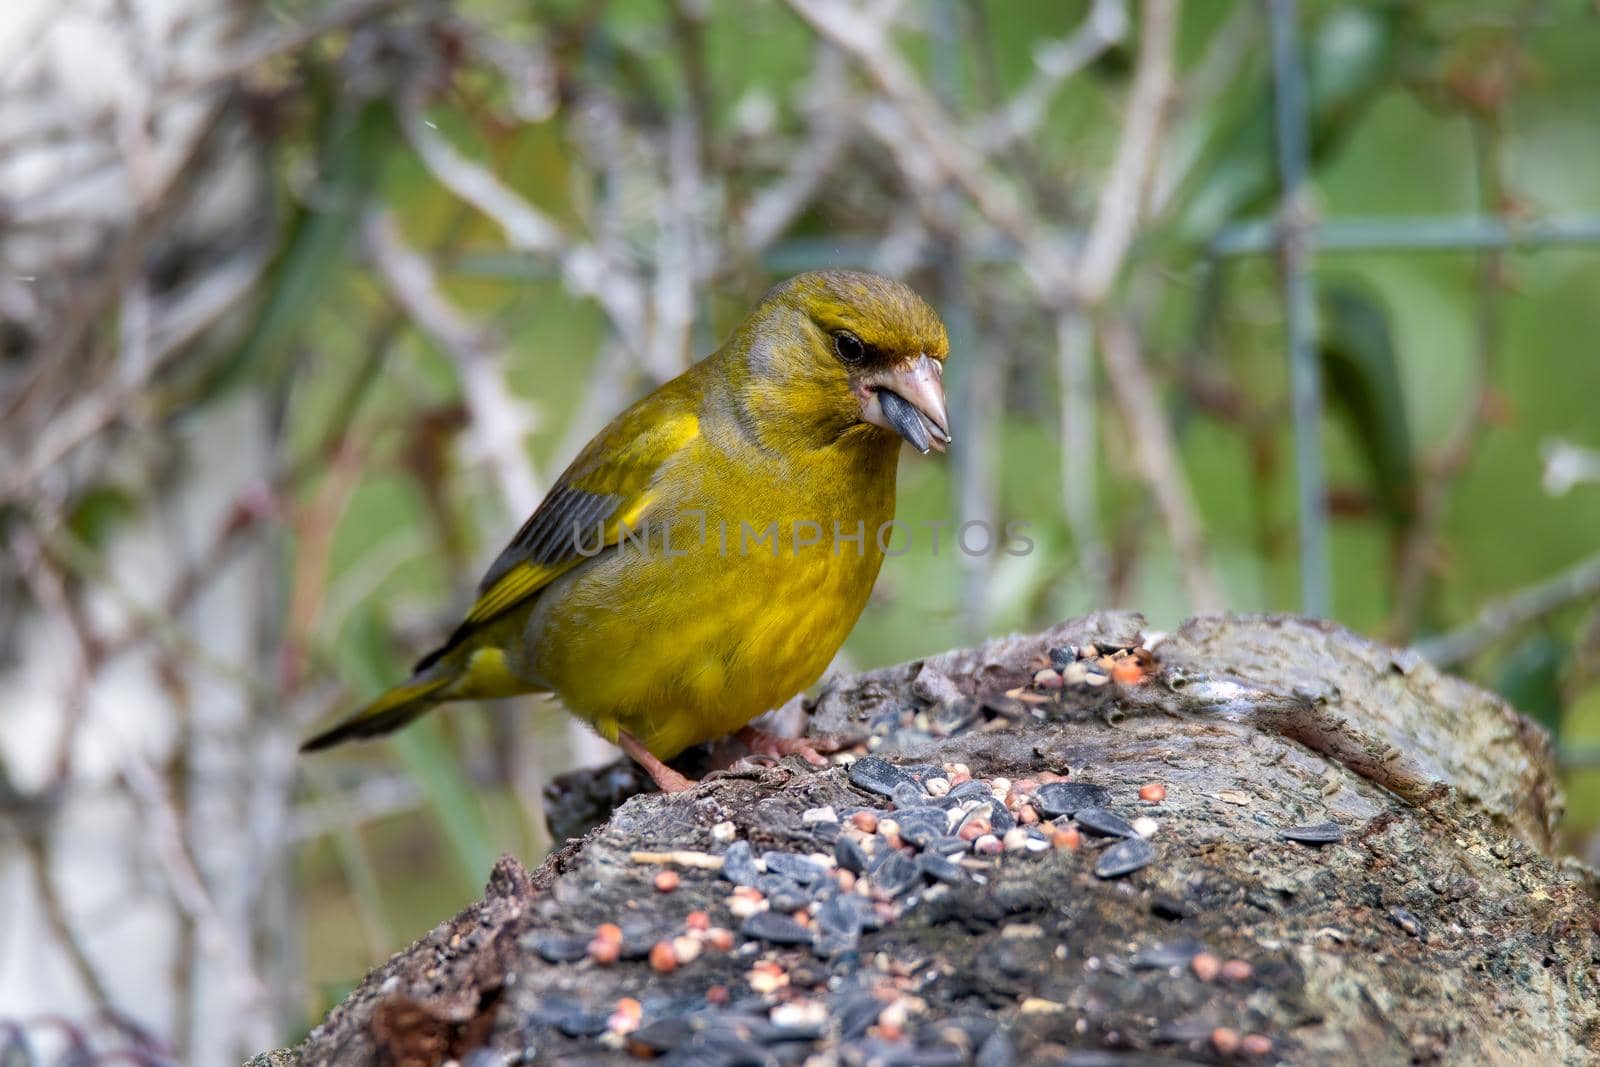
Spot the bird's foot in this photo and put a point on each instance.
(762, 743)
(666, 779)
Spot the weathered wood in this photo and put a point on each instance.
(1439, 928)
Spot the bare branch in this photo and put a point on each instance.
(527, 229)
(1156, 457)
(500, 422)
(1124, 188)
(1494, 621)
(866, 40)
(1054, 63)
(771, 212)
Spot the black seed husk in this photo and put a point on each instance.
(1103, 823)
(947, 846)
(561, 949)
(1168, 954)
(776, 928)
(837, 927)
(921, 825)
(849, 855)
(877, 775)
(583, 1023)
(940, 869)
(1000, 817)
(895, 874)
(908, 795)
(1124, 857)
(997, 1051)
(665, 1034)
(801, 869)
(971, 788)
(739, 864)
(1318, 833)
(856, 1013)
(1064, 798)
(783, 894)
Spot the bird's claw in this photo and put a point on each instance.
(810, 749)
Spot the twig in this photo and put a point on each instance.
(165, 834)
(36, 850)
(1415, 563)
(1579, 582)
(1155, 456)
(340, 17)
(770, 213)
(1078, 446)
(703, 861)
(527, 229)
(866, 41)
(92, 410)
(1125, 186)
(1054, 63)
(1061, 283)
(500, 422)
(588, 268)
(1305, 372)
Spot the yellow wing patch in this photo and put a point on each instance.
(613, 491)
(514, 585)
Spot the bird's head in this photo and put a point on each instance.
(844, 354)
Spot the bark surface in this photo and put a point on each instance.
(1439, 927)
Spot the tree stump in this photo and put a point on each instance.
(1254, 840)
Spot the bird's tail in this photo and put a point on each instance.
(388, 713)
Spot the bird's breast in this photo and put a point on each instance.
(732, 600)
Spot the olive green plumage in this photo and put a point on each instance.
(687, 630)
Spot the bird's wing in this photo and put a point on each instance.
(608, 488)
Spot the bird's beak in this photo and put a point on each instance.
(910, 401)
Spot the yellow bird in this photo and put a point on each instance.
(705, 556)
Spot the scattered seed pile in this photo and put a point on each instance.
(1037, 852)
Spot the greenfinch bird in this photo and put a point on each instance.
(704, 557)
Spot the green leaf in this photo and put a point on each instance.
(1530, 678)
(97, 514)
(1364, 387)
(1350, 54)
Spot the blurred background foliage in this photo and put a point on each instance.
(500, 222)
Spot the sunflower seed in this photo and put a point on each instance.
(799, 868)
(940, 869)
(849, 855)
(776, 928)
(1103, 823)
(559, 949)
(1064, 798)
(739, 864)
(783, 894)
(921, 825)
(1319, 833)
(877, 775)
(908, 795)
(1125, 857)
(895, 874)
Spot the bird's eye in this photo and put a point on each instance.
(849, 347)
